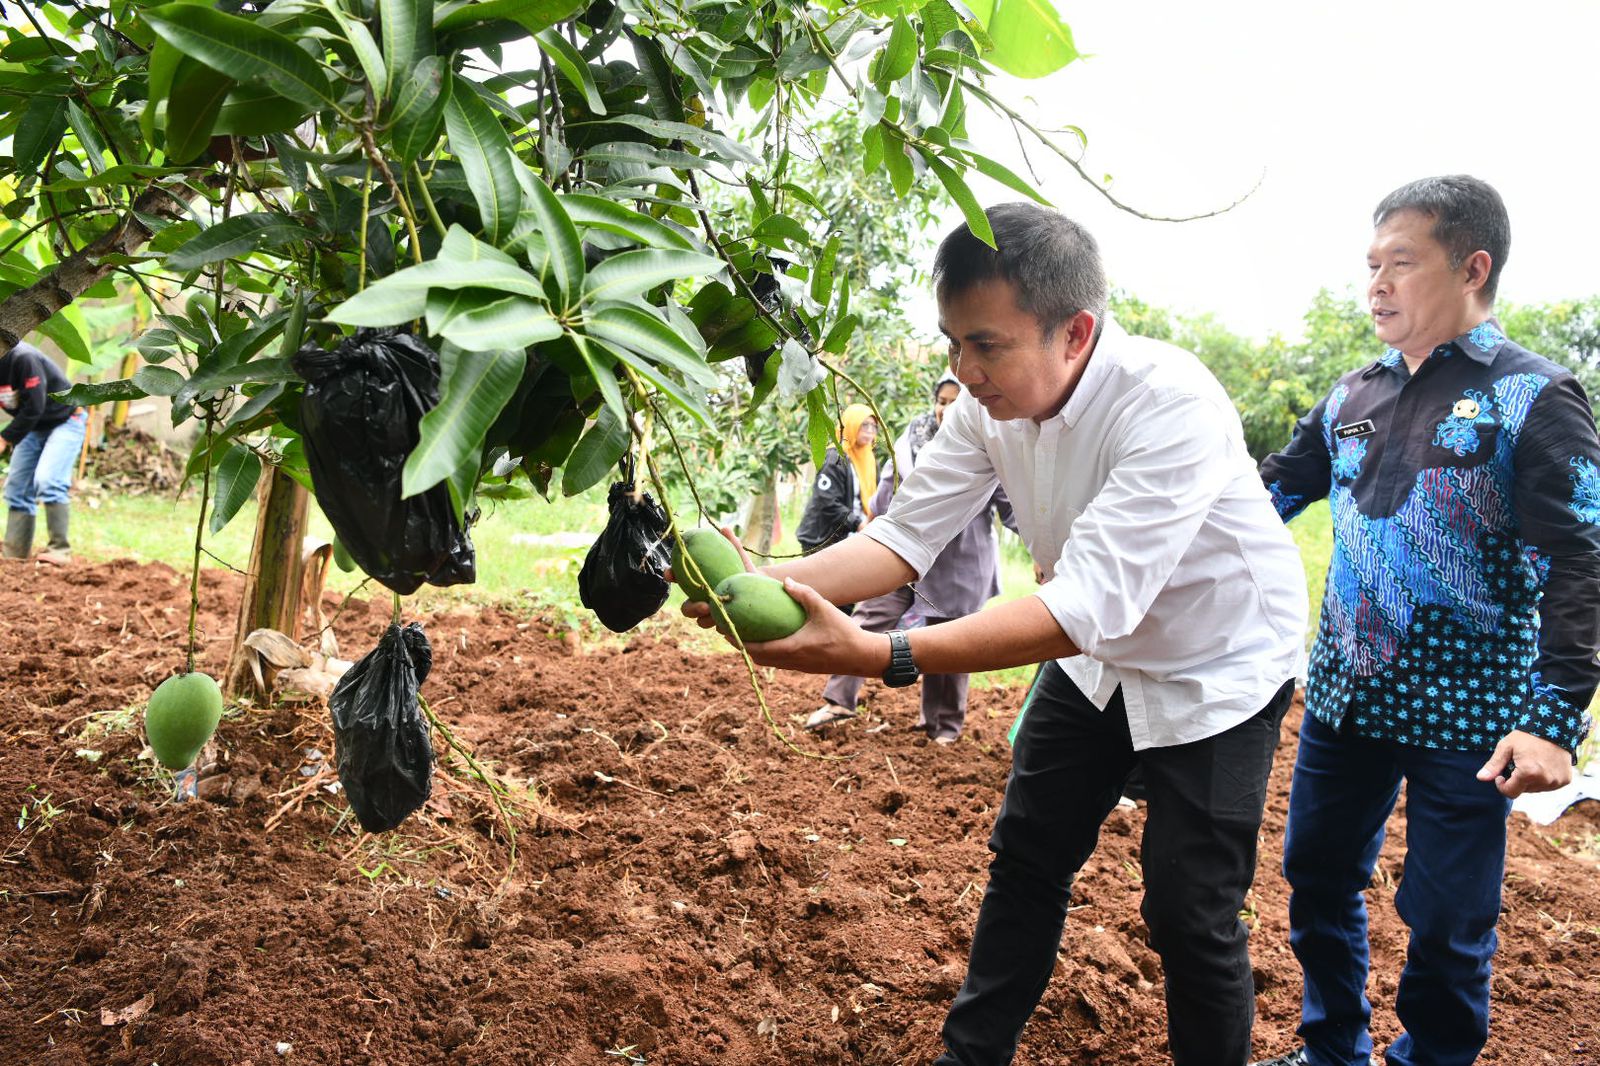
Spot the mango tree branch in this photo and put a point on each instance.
(27, 309)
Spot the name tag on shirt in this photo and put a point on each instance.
(1363, 428)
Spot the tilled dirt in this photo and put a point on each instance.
(686, 889)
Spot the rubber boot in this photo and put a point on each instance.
(19, 535)
(59, 551)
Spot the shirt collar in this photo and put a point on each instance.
(1481, 344)
(1112, 336)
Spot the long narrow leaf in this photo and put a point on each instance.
(560, 235)
(407, 31)
(999, 172)
(365, 47)
(481, 143)
(571, 63)
(956, 186)
(599, 363)
(596, 452)
(197, 97)
(479, 322)
(597, 212)
(531, 15)
(474, 391)
(235, 237)
(639, 331)
(243, 50)
(237, 475)
(632, 273)
(679, 395)
(419, 107)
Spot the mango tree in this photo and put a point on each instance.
(522, 182)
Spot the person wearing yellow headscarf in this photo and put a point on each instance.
(841, 496)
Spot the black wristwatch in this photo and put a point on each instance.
(902, 669)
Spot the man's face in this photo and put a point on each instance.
(999, 352)
(1417, 300)
(947, 395)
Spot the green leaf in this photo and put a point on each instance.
(235, 237)
(474, 388)
(626, 326)
(1030, 40)
(956, 186)
(237, 475)
(822, 428)
(631, 273)
(897, 57)
(403, 295)
(531, 15)
(1005, 176)
(157, 380)
(419, 108)
(481, 143)
(197, 96)
(560, 235)
(571, 64)
(599, 449)
(254, 111)
(677, 393)
(407, 30)
(599, 361)
(597, 212)
(724, 146)
(901, 175)
(365, 47)
(838, 337)
(782, 228)
(822, 272)
(66, 335)
(243, 50)
(84, 394)
(43, 123)
(644, 155)
(477, 321)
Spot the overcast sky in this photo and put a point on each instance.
(1186, 105)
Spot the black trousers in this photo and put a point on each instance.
(1198, 853)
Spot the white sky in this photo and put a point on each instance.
(1187, 104)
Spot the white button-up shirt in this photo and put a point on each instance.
(1171, 571)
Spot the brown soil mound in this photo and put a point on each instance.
(689, 892)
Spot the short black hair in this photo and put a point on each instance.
(1468, 216)
(1052, 261)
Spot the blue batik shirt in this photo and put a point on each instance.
(1463, 596)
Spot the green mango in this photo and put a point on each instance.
(717, 559)
(182, 714)
(342, 557)
(760, 607)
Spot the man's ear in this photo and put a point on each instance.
(1477, 268)
(1079, 333)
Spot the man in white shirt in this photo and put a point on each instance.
(1171, 623)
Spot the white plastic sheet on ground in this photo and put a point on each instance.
(1546, 807)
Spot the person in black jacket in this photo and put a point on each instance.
(840, 497)
(43, 439)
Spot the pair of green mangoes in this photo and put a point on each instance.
(760, 607)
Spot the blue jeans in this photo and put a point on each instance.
(42, 464)
(1344, 788)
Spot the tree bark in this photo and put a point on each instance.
(26, 310)
(272, 590)
(761, 525)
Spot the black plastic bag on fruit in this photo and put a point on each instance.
(385, 752)
(360, 414)
(623, 580)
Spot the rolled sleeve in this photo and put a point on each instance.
(951, 484)
(1170, 471)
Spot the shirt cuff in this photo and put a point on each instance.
(1552, 717)
(1071, 614)
(903, 543)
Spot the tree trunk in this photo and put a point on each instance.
(761, 523)
(27, 309)
(272, 590)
